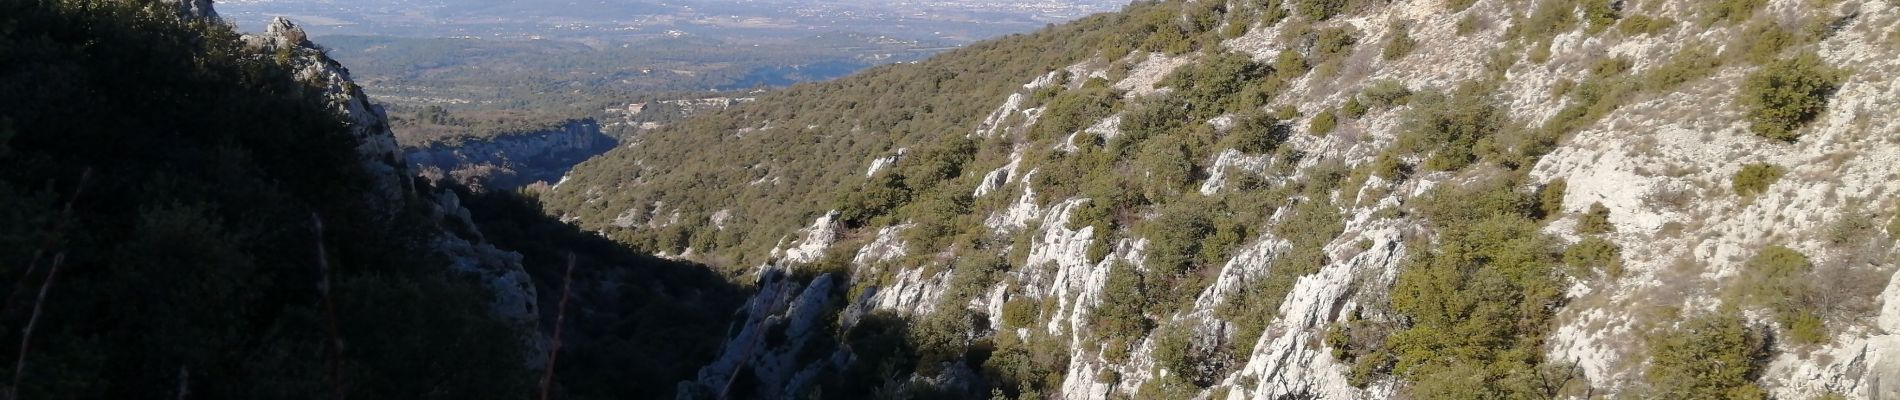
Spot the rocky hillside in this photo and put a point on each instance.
(513, 160)
(1309, 199)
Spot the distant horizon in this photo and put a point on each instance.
(949, 21)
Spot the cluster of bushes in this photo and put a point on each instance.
(1119, 320)
(1601, 14)
(1731, 11)
(1257, 133)
(1224, 82)
(1073, 110)
(1785, 95)
(1476, 307)
(1319, 10)
(1331, 46)
(1452, 131)
(1709, 357)
(1026, 368)
(1173, 28)
(1781, 279)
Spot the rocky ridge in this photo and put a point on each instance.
(458, 240)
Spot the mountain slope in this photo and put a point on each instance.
(1310, 198)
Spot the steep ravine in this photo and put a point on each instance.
(512, 160)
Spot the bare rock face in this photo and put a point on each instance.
(369, 125)
(768, 349)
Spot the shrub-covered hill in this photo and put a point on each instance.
(1309, 198)
(188, 213)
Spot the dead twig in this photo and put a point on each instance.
(12, 392)
(26, 335)
(59, 227)
(554, 350)
(334, 349)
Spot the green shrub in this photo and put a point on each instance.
(1459, 5)
(1787, 94)
(1550, 198)
(1731, 11)
(1270, 12)
(1386, 93)
(1212, 87)
(1478, 304)
(1692, 63)
(1451, 130)
(1333, 43)
(1400, 44)
(1773, 274)
(1323, 123)
(1175, 236)
(1760, 43)
(1755, 178)
(941, 336)
(1119, 318)
(1643, 25)
(1709, 357)
(1072, 110)
(1318, 10)
(1290, 64)
(1600, 13)
(1594, 254)
(1596, 221)
(1550, 18)
(1257, 133)
(1806, 328)
(1354, 108)
(1024, 368)
(876, 198)
(1150, 117)
(1019, 312)
(1166, 167)
(1175, 351)
(1783, 280)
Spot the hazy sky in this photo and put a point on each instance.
(952, 20)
